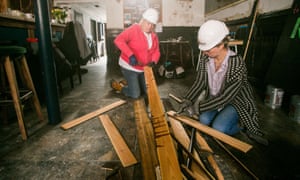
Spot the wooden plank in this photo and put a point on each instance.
(146, 141)
(203, 144)
(91, 115)
(175, 98)
(189, 172)
(125, 155)
(167, 156)
(240, 145)
(253, 16)
(235, 42)
(182, 137)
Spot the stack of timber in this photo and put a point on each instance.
(165, 133)
(167, 150)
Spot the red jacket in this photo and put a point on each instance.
(133, 41)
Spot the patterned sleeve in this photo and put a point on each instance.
(200, 82)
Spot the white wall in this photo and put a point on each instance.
(114, 14)
(183, 12)
(86, 20)
(243, 9)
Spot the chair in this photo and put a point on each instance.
(75, 47)
(12, 56)
(64, 69)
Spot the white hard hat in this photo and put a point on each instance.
(211, 33)
(151, 15)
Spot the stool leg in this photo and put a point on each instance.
(10, 72)
(79, 74)
(30, 85)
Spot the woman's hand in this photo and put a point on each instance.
(185, 103)
(133, 61)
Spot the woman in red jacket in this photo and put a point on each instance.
(139, 47)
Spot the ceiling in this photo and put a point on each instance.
(93, 8)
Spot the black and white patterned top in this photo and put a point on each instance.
(235, 90)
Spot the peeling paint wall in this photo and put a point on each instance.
(243, 10)
(183, 12)
(189, 13)
(174, 13)
(233, 12)
(275, 5)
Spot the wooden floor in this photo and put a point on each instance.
(86, 152)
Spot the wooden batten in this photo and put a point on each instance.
(240, 145)
(125, 155)
(203, 144)
(91, 115)
(167, 156)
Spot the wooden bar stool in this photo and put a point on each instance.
(9, 56)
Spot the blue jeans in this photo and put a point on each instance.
(225, 120)
(136, 83)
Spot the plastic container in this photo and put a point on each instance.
(274, 97)
(294, 111)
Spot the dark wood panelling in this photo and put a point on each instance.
(273, 57)
(111, 49)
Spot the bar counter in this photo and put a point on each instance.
(26, 23)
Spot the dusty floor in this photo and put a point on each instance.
(85, 151)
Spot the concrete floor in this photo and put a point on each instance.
(85, 151)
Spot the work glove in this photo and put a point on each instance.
(185, 103)
(190, 110)
(133, 61)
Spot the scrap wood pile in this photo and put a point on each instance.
(167, 149)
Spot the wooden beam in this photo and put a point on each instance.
(146, 141)
(175, 98)
(125, 155)
(249, 38)
(235, 42)
(240, 145)
(203, 144)
(91, 115)
(167, 156)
